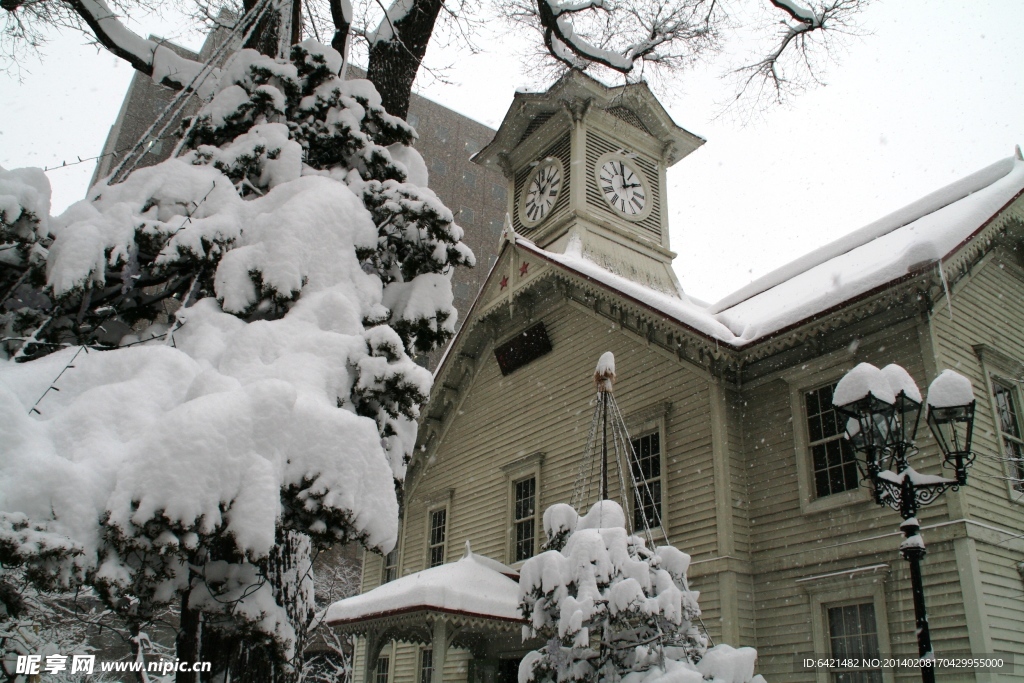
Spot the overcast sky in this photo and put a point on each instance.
(931, 92)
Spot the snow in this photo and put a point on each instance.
(604, 374)
(681, 309)
(411, 162)
(168, 64)
(726, 664)
(950, 389)
(901, 382)
(915, 541)
(606, 584)
(864, 380)
(24, 191)
(385, 30)
(560, 518)
(916, 478)
(472, 585)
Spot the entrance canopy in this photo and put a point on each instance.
(470, 604)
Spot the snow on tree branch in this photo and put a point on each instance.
(161, 63)
(298, 258)
(620, 35)
(801, 45)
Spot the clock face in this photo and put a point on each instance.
(541, 192)
(622, 187)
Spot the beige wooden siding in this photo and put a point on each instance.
(788, 545)
(546, 407)
(1003, 591)
(778, 527)
(987, 309)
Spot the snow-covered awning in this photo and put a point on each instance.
(475, 587)
(472, 603)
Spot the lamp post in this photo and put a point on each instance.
(883, 408)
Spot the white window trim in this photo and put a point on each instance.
(800, 382)
(997, 366)
(419, 663)
(398, 562)
(439, 501)
(640, 424)
(847, 588)
(516, 471)
(389, 655)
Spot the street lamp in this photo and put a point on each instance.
(883, 408)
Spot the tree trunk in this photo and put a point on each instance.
(188, 644)
(289, 572)
(394, 63)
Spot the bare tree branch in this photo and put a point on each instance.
(803, 42)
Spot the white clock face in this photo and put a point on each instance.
(622, 188)
(541, 192)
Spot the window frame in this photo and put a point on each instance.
(643, 423)
(518, 522)
(1014, 467)
(800, 383)
(386, 660)
(857, 586)
(997, 366)
(385, 566)
(419, 664)
(444, 541)
(659, 432)
(516, 471)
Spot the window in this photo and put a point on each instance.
(435, 552)
(1008, 418)
(647, 475)
(380, 674)
(390, 566)
(853, 633)
(426, 665)
(412, 120)
(832, 457)
(522, 483)
(847, 619)
(524, 518)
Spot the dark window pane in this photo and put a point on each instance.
(832, 457)
(381, 673)
(438, 521)
(646, 467)
(524, 540)
(426, 666)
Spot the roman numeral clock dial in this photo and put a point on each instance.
(622, 187)
(541, 192)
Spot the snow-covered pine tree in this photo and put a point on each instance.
(612, 609)
(261, 294)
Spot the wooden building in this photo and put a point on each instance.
(728, 404)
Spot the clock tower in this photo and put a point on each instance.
(586, 164)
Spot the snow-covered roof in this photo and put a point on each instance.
(475, 586)
(908, 241)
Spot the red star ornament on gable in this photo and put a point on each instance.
(504, 282)
(523, 268)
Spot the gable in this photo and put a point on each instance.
(543, 410)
